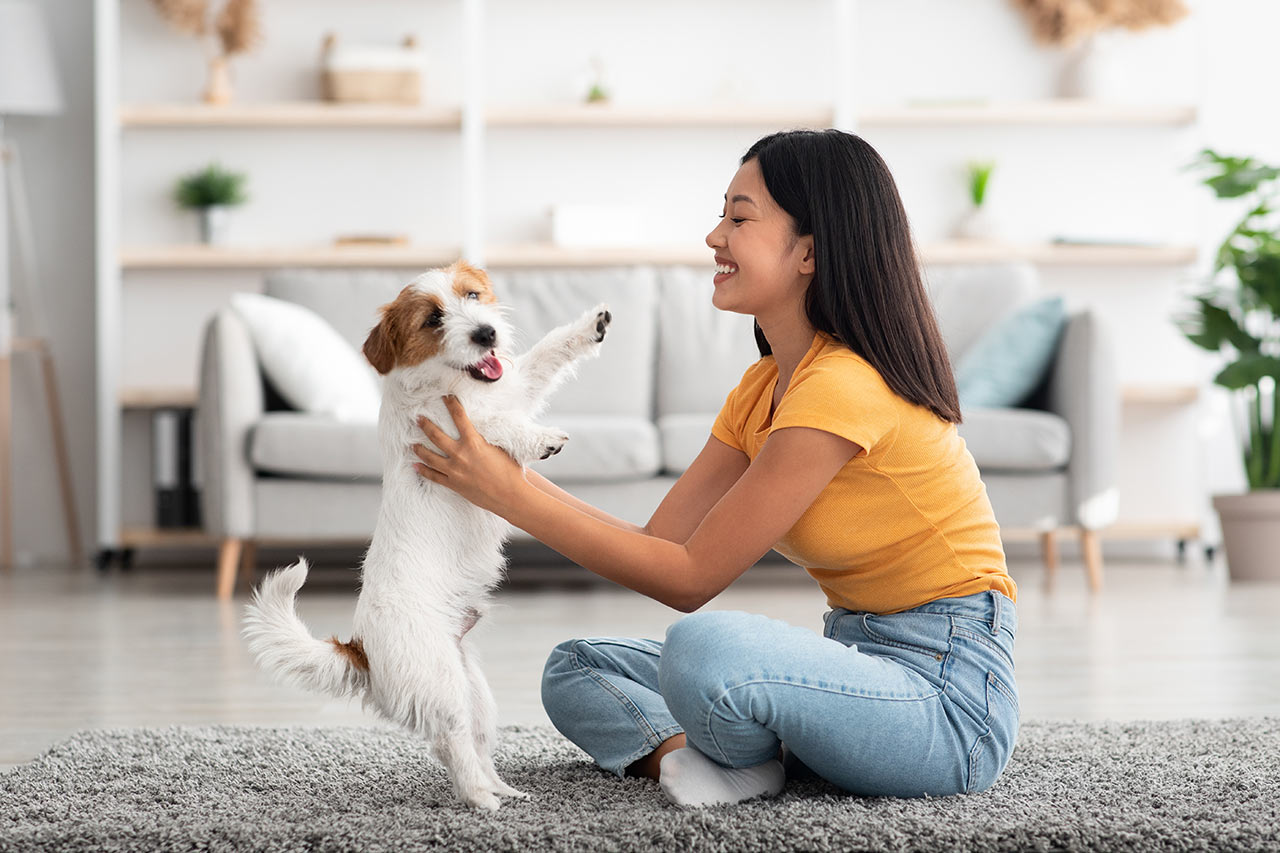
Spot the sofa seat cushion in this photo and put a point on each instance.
(602, 448)
(1016, 439)
(301, 444)
(683, 437)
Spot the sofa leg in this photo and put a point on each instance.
(249, 562)
(228, 564)
(1049, 553)
(1091, 548)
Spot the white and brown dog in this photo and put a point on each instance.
(434, 557)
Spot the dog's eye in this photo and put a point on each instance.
(473, 295)
(435, 318)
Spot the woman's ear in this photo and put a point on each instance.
(378, 349)
(808, 261)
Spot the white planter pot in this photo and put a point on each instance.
(975, 224)
(1251, 534)
(213, 224)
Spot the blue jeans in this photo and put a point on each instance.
(907, 704)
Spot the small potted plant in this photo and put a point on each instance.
(211, 192)
(1239, 317)
(975, 224)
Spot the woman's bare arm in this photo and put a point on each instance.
(791, 470)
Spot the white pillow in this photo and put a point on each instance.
(309, 363)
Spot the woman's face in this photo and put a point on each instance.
(762, 268)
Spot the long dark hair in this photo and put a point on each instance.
(867, 291)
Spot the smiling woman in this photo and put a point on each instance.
(839, 448)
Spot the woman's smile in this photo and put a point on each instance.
(724, 270)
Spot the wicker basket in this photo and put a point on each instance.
(372, 75)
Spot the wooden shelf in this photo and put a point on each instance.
(1057, 254)
(1161, 395)
(1120, 531)
(303, 114)
(1057, 111)
(294, 114)
(549, 255)
(660, 115)
(158, 398)
(262, 257)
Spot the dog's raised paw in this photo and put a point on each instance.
(553, 442)
(603, 319)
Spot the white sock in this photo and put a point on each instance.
(689, 778)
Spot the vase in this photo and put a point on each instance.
(975, 224)
(1091, 68)
(218, 87)
(213, 224)
(1251, 534)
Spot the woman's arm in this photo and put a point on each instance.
(762, 504)
(716, 468)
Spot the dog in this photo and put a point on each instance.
(435, 557)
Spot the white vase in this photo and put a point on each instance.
(1091, 68)
(975, 224)
(214, 220)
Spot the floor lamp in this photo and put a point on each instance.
(28, 86)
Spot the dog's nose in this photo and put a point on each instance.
(484, 336)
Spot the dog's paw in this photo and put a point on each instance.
(481, 799)
(551, 442)
(591, 326)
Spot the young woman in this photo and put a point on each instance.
(839, 448)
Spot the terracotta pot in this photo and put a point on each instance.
(1251, 534)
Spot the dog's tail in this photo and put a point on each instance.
(284, 647)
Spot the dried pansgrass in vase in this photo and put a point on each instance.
(1065, 22)
(235, 29)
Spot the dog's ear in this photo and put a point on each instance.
(378, 349)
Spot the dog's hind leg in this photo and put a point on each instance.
(447, 718)
(484, 720)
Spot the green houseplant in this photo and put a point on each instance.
(975, 224)
(210, 192)
(1238, 317)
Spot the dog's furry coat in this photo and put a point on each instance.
(434, 557)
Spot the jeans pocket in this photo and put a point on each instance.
(991, 752)
(921, 640)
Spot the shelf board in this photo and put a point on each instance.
(1161, 395)
(262, 257)
(1173, 528)
(158, 397)
(1058, 111)
(290, 114)
(1057, 254)
(660, 115)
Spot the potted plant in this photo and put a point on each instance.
(211, 192)
(1239, 317)
(975, 224)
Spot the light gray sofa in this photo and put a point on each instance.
(638, 414)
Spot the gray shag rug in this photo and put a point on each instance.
(1195, 785)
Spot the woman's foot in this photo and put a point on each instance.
(689, 778)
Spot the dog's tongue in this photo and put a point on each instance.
(490, 367)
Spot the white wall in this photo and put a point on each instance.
(1105, 181)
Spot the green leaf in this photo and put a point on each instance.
(1247, 370)
(1214, 326)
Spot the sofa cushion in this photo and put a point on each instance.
(348, 299)
(603, 448)
(620, 380)
(967, 298)
(1010, 360)
(683, 437)
(1016, 439)
(702, 351)
(311, 366)
(307, 445)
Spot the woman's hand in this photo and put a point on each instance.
(472, 467)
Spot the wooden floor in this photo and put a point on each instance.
(152, 647)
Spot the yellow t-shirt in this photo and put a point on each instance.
(907, 520)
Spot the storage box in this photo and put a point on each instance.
(372, 74)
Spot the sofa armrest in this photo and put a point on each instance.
(1083, 388)
(230, 402)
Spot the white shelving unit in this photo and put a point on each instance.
(473, 120)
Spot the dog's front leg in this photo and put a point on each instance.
(522, 439)
(543, 367)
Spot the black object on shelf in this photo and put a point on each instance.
(177, 500)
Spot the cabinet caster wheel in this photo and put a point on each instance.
(103, 559)
(126, 559)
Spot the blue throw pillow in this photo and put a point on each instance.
(1008, 362)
